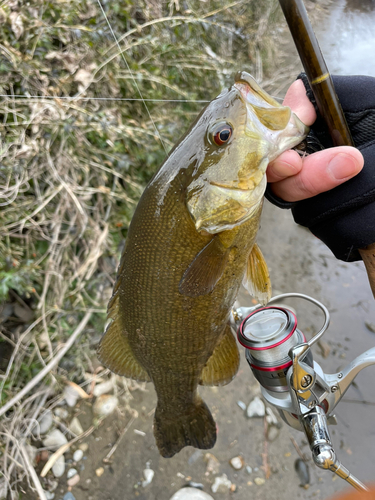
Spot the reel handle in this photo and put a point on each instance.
(316, 429)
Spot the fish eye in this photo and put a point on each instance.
(221, 133)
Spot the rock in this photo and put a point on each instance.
(99, 472)
(237, 463)
(191, 494)
(54, 440)
(61, 413)
(259, 481)
(303, 472)
(148, 474)
(193, 484)
(221, 484)
(256, 408)
(103, 388)
(49, 495)
(105, 405)
(272, 433)
(249, 470)
(71, 396)
(69, 496)
(84, 447)
(370, 326)
(71, 472)
(73, 480)
(75, 426)
(271, 417)
(58, 467)
(213, 464)
(78, 455)
(242, 405)
(45, 422)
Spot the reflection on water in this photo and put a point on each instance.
(360, 5)
(347, 37)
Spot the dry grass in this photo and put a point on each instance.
(74, 161)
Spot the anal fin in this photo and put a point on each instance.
(115, 352)
(205, 270)
(223, 365)
(257, 278)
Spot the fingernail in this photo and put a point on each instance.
(343, 166)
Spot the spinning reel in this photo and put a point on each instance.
(281, 360)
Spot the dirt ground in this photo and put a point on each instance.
(298, 262)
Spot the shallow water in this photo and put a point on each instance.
(347, 37)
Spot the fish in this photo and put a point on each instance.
(190, 244)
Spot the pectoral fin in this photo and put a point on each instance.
(223, 365)
(206, 269)
(257, 279)
(114, 350)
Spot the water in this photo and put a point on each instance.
(347, 37)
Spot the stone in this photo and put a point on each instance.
(75, 426)
(69, 496)
(242, 405)
(61, 413)
(221, 484)
(271, 417)
(256, 408)
(71, 396)
(99, 472)
(191, 494)
(213, 464)
(259, 481)
(45, 422)
(103, 388)
(84, 447)
(237, 462)
(78, 455)
(73, 480)
(54, 439)
(71, 472)
(148, 474)
(272, 433)
(105, 405)
(58, 467)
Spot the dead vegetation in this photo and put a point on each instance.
(77, 145)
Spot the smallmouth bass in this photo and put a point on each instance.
(190, 244)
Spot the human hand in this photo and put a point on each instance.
(339, 208)
(294, 178)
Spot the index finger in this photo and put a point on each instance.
(299, 103)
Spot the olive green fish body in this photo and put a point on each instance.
(188, 248)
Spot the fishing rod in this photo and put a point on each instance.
(324, 92)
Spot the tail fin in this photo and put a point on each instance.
(195, 427)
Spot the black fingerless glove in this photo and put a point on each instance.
(344, 217)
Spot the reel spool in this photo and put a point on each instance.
(268, 334)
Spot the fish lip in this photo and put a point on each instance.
(225, 186)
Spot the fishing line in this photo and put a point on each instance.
(132, 75)
(98, 98)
